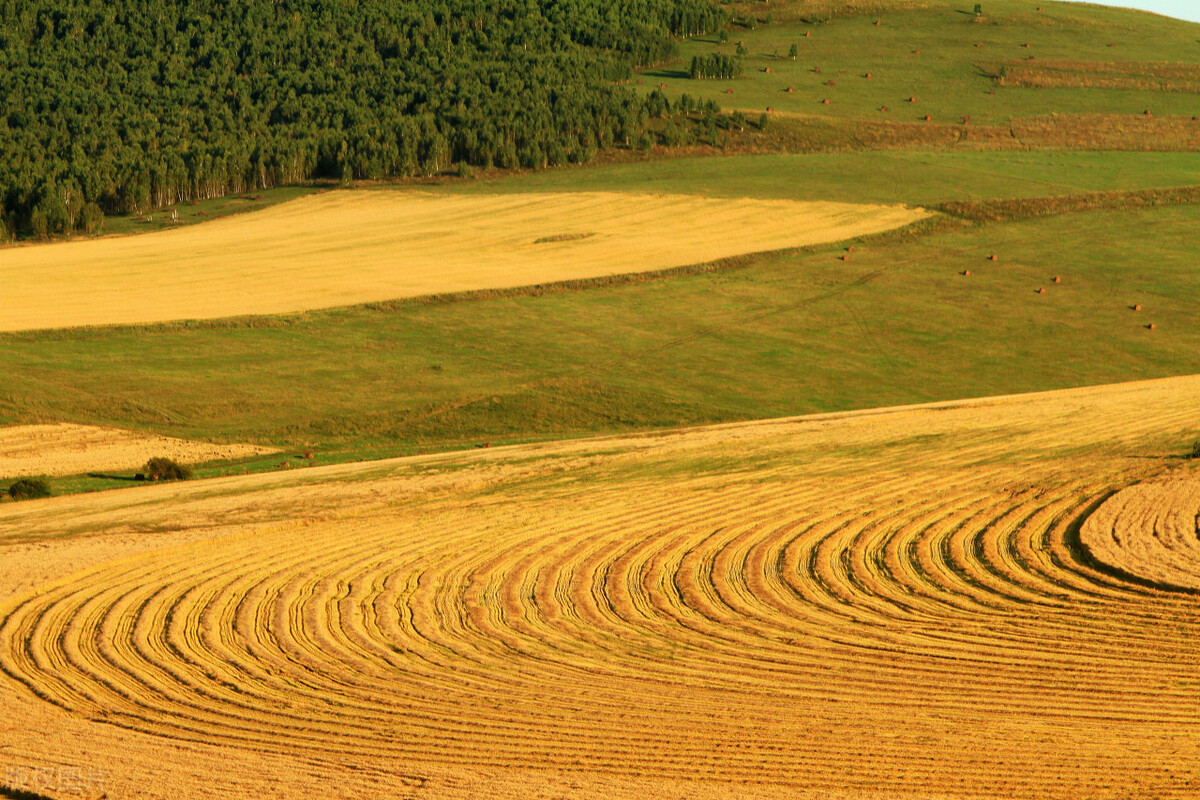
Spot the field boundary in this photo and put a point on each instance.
(1012, 210)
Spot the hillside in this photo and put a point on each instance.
(890, 603)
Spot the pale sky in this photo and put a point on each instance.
(1183, 9)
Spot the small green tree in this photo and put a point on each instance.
(166, 469)
(979, 9)
(1195, 450)
(91, 218)
(793, 51)
(29, 489)
(762, 121)
(39, 224)
(723, 36)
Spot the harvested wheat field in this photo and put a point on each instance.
(894, 603)
(350, 247)
(67, 449)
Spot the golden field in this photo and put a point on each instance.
(67, 449)
(909, 602)
(350, 247)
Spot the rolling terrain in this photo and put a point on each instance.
(893, 602)
(824, 451)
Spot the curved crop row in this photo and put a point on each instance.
(929, 622)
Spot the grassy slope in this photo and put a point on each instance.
(914, 177)
(790, 334)
(951, 77)
(785, 334)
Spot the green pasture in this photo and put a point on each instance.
(950, 76)
(912, 177)
(896, 323)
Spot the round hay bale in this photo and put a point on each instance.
(1151, 326)
(868, 75)
(789, 90)
(845, 256)
(912, 99)
(993, 257)
(878, 22)
(883, 108)
(825, 102)
(1057, 279)
(1042, 290)
(662, 86)
(829, 82)
(1147, 112)
(767, 70)
(1137, 306)
(807, 34)
(967, 272)
(917, 52)
(769, 108)
(928, 118)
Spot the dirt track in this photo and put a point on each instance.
(352, 247)
(880, 604)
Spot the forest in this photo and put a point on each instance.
(115, 106)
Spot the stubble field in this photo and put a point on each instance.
(345, 248)
(887, 603)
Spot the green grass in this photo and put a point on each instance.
(786, 335)
(779, 334)
(914, 177)
(951, 77)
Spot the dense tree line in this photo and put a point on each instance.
(124, 105)
(716, 66)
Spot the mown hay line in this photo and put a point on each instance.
(871, 601)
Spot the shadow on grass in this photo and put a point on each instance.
(676, 74)
(108, 477)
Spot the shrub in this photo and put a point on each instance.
(166, 469)
(29, 489)
(1195, 450)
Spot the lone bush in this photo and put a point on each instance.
(29, 489)
(1195, 450)
(166, 469)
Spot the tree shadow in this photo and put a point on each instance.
(106, 476)
(668, 73)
